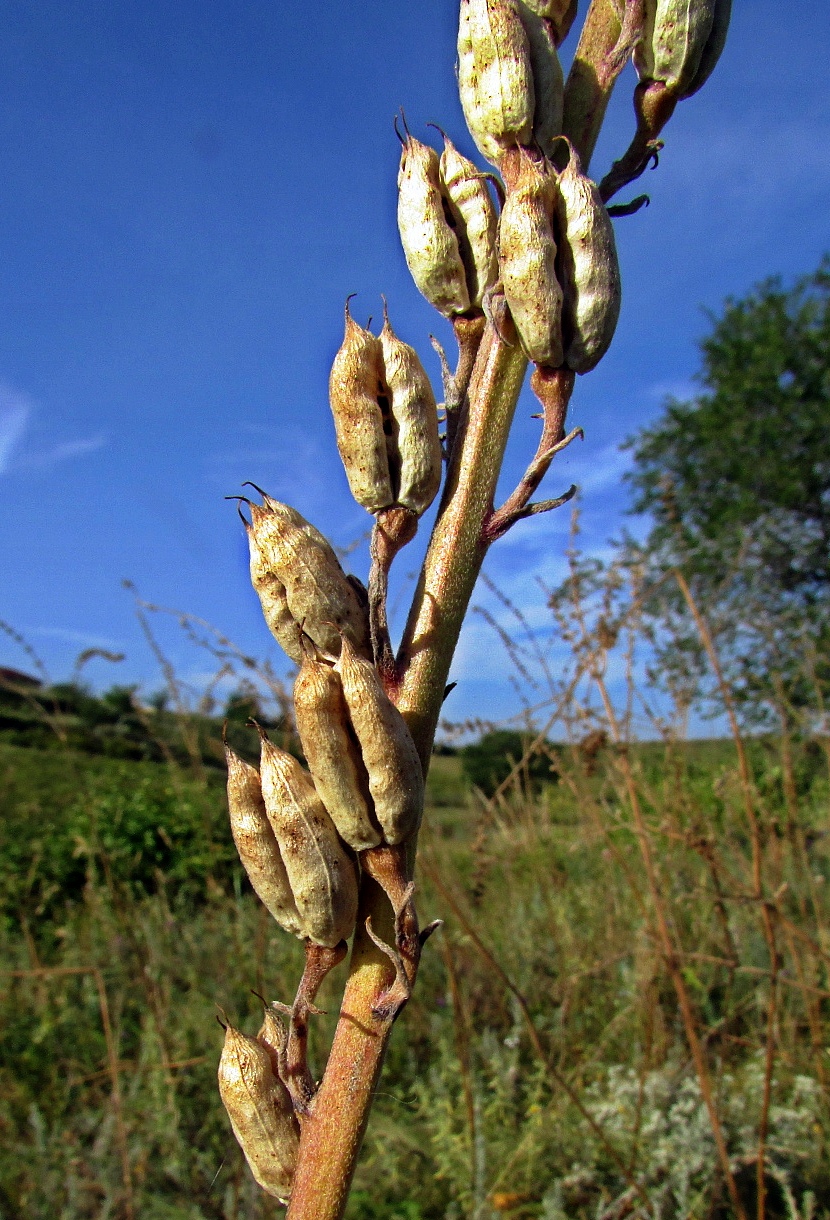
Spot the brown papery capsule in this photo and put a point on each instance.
(415, 416)
(495, 77)
(323, 877)
(272, 598)
(560, 14)
(675, 33)
(257, 844)
(589, 267)
(396, 780)
(333, 755)
(429, 243)
(317, 592)
(475, 219)
(548, 81)
(527, 258)
(273, 1038)
(260, 1111)
(356, 394)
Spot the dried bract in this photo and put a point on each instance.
(357, 394)
(260, 1111)
(429, 243)
(527, 258)
(415, 423)
(475, 219)
(323, 877)
(333, 755)
(495, 77)
(589, 267)
(301, 584)
(257, 844)
(396, 779)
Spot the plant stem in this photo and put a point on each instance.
(332, 1135)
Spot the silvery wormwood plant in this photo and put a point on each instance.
(521, 259)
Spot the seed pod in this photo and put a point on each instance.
(429, 243)
(713, 47)
(333, 755)
(589, 268)
(273, 1038)
(495, 78)
(257, 845)
(322, 876)
(415, 416)
(675, 33)
(260, 1111)
(527, 257)
(560, 14)
(548, 81)
(475, 219)
(356, 394)
(288, 552)
(396, 779)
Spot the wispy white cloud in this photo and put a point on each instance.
(15, 412)
(84, 639)
(48, 459)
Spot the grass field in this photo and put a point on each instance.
(608, 997)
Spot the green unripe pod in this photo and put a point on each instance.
(548, 81)
(675, 35)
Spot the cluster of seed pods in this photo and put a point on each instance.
(305, 833)
(299, 832)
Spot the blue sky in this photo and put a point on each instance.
(188, 194)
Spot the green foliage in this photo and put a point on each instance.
(488, 761)
(737, 482)
(472, 1118)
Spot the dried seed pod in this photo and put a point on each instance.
(288, 552)
(357, 395)
(415, 416)
(560, 14)
(333, 755)
(527, 258)
(589, 268)
(475, 219)
(548, 81)
(675, 33)
(396, 779)
(257, 845)
(273, 1038)
(323, 877)
(260, 1111)
(495, 78)
(429, 243)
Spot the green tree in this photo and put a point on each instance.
(737, 483)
